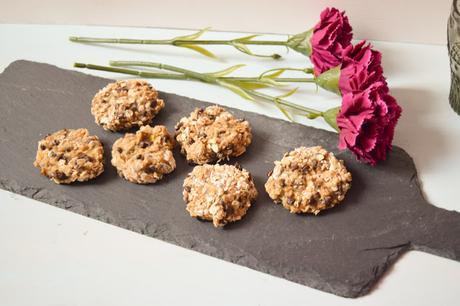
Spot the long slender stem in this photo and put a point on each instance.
(176, 76)
(305, 70)
(144, 74)
(283, 80)
(284, 102)
(175, 42)
(189, 74)
(229, 42)
(185, 71)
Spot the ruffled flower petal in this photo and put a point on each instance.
(331, 35)
(367, 121)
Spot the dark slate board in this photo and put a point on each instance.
(343, 251)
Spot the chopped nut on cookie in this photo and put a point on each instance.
(125, 104)
(70, 155)
(308, 180)
(212, 134)
(219, 193)
(144, 157)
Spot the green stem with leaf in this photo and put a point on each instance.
(299, 42)
(177, 76)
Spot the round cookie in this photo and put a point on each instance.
(212, 134)
(144, 157)
(125, 104)
(308, 180)
(70, 155)
(218, 193)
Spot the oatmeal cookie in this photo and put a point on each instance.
(125, 104)
(69, 155)
(212, 134)
(146, 156)
(308, 180)
(218, 193)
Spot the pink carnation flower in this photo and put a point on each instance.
(331, 35)
(361, 67)
(367, 121)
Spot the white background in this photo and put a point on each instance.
(421, 21)
(52, 257)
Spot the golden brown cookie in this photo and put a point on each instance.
(144, 157)
(212, 134)
(70, 155)
(308, 180)
(219, 193)
(125, 104)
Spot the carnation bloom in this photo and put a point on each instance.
(367, 121)
(361, 67)
(331, 35)
(325, 42)
(368, 115)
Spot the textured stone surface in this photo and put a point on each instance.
(343, 251)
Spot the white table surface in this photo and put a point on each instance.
(49, 256)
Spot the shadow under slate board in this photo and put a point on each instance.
(343, 251)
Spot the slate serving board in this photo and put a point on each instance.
(343, 251)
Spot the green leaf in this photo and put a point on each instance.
(199, 50)
(246, 38)
(239, 91)
(251, 85)
(277, 100)
(225, 72)
(272, 83)
(288, 94)
(273, 75)
(283, 110)
(192, 36)
(241, 47)
(255, 84)
(330, 116)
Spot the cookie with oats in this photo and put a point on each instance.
(70, 155)
(308, 180)
(212, 134)
(219, 193)
(126, 104)
(146, 156)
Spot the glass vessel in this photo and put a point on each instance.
(453, 44)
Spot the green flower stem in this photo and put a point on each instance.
(189, 74)
(312, 112)
(175, 76)
(143, 74)
(195, 74)
(283, 80)
(190, 44)
(299, 42)
(173, 42)
(305, 70)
